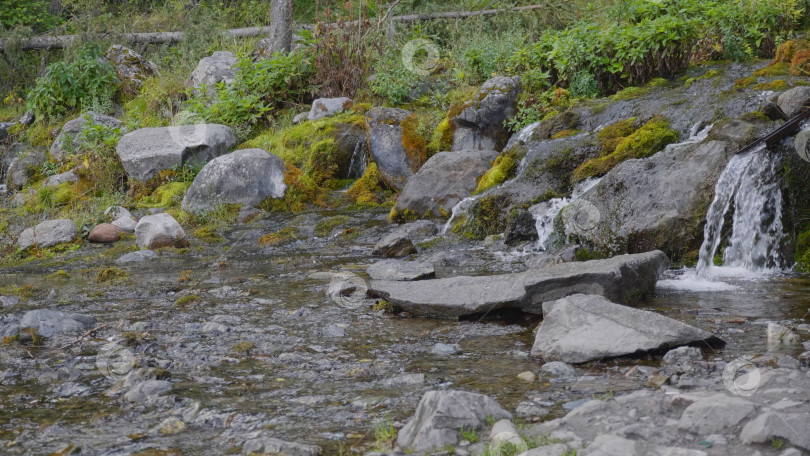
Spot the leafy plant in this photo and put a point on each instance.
(31, 13)
(88, 82)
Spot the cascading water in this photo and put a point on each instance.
(545, 213)
(750, 185)
(358, 152)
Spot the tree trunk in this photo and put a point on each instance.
(281, 24)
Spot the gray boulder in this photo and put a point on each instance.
(48, 323)
(400, 242)
(219, 67)
(802, 144)
(444, 180)
(613, 445)
(147, 151)
(715, 414)
(26, 163)
(384, 126)
(583, 328)
(400, 270)
(125, 224)
(148, 390)
(245, 177)
(4, 126)
(793, 427)
(136, 257)
(624, 279)
(792, 101)
(159, 230)
(440, 416)
(69, 138)
(480, 126)
(558, 369)
(48, 234)
(327, 107)
(778, 336)
(267, 445)
(682, 356)
(59, 179)
(130, 67)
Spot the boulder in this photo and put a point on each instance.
(716, 414)
(793, 427)
(137, 257)
(582, 328)
(613, 445)
(440, 416)
(624, 279)
(219, 67)
(682, 356)
(159, 230)
(444, 180)
(69, 140)
(26, 163)
(802, 144)
(147, 390)
(327, 107)
(125, 224)
(48, 234)
(246, 177)
(521, 227)
(4, 127)
(778, 336)
(792, 101)
(480, 125)
(267, 445)
(400, 242)
(386, 141)
(400, 270)
(104, 233)
(116, 212)
(130, 67)
(558, 369)
(48, 323)
(59, 179)
(147, 151)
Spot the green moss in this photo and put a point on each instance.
(370, 188)
(582, 254)
(111, 274)
(325, 227)
(207, 234)
(322, 163)
(414, 145)
(710, 74)
(280, 237)
(745, 82)
(400, 217)
(644, 142)
(244, 347)
(630, 93)
(755, 117)
(488, 216)
(555, 123)
(302, 191)
(610, 136)
(187, 300)
(657, 82)
(59, 275)
(565, 134)
(167, 195)
(777, 85)
(504, 168)
(442, 139)
(802, 255)
(788, 50)
(25, 291)
(778, 69)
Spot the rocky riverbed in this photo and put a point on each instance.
(206, 349)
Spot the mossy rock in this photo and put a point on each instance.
(302, 191)
(167, 195)
(486, 217)
(777, 85)
(369, 189)
(610, 136)
(556, 124)
(504, 168)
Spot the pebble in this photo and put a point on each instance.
(527, 376)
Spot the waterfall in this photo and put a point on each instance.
(750, 186)
(545, 213)
(358, 150)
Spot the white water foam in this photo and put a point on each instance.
(545, 213)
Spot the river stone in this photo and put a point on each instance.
(623, 279)
(246, 177)
(793, 427)
(558, 369)
(270, 446)
(582, 328)
(792, 101)
(778, 336)
(715, 414)
(159, 230)
(218, 67)
(444, 180)
(653, 203)
(802, 144)
(613, 445)
(384, 126)
(441, 414)
(104, 233)
(399, 242)
(147, 390)
(137, 257)
(68, 140)
(48, 234)
(26, 164)
(147, 151)
(48, 323)
(130, 67)
(521, 227)
(116, 212)
(125, 224)
(59, 179)
(480, 125)
(682, 356)
(327, 107)
(400, 270)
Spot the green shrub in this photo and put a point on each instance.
(88, 82)
(30, 13)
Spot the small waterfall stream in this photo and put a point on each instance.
(750, 186)
(545, 213)
(358, 151)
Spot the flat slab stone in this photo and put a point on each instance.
(400, 270)
(583, 328)
(623, 279)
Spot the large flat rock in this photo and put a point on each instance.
(623, 279)
(582, 328)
